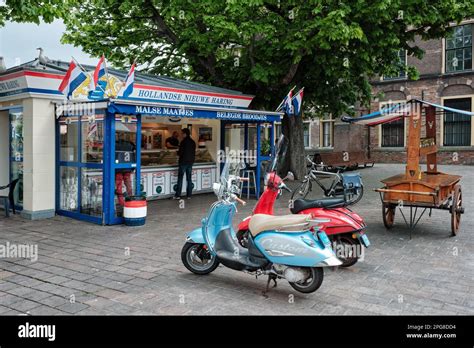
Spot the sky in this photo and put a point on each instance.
(18, 43)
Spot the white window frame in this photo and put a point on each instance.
(443, 49)
(379, 128)
(441, 121)
(332, 121)
(400, 78)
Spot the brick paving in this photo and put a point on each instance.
(84, 269)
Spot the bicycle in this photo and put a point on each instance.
(348, 185)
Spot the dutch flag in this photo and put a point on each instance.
(99, 70)
(287, 103)
(74, 78)
(129, 82)
(298, 101)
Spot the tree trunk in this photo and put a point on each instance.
(292, 128)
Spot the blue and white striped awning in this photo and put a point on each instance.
(397, 111)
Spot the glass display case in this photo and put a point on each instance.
(153, 158)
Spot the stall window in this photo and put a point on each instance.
(92, 139)
(459, 49)
(16, 154)
(393, 133)
(68, 139)
(457, 127)
(125, 140)
(91, 191)
(68, 188)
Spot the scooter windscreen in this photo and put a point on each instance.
(280, 152)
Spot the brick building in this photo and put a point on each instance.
(446, 77)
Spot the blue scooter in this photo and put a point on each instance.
(288, 246)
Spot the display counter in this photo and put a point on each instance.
(160, 181)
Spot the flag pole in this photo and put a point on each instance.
(293, 97)
(85, 72)
(279, 106)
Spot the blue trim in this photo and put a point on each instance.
(236, 117)
(30, 90)
(79, 165)
(259, 146)
(79, 216)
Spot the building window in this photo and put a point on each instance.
(393, 133)
(459, 49)
(327, 132)
(457, 127)
(306, 134)
(402, 61)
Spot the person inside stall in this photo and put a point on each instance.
(125, 153)
(187, 154)
(172, 142)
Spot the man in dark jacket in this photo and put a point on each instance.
(186, 153)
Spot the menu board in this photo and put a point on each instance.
(159, 183)
(206, 179)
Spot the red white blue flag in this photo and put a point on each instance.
(74, 78)
(99, 70)
(298, 101)
(129, 82)
(286, 105)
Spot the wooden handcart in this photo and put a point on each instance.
(416, 189)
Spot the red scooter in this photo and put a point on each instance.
(344, 228)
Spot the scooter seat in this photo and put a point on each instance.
(287, 223)
(303, 204)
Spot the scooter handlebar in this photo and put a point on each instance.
(241, 201)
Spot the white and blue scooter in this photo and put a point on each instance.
(288, 246)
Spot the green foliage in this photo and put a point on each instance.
(32, 11)
(261, 47)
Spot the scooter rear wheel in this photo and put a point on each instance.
(312, 283)
(197, 259)
(346, 250)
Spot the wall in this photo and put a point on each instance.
(4, 150)
(39, 159)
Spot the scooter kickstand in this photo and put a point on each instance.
(267, 288)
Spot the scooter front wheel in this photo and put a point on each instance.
(312, 282)
(197, 258)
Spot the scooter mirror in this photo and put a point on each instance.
(290, 176)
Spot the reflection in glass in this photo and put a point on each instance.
(124, 187)
(68, 138)
(68, 188)
(16, 152)
(91, 195)
(92, 139)
(125, 142)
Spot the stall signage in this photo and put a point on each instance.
(181, 96)
(155, 110)
(13, 86)
(191, 113)
(241, 116)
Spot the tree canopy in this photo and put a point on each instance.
(264, 47)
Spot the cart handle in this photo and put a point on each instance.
(407, 192)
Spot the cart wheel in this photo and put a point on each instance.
(456, 208)
(388, 214)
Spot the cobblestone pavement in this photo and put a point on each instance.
(88, 269)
